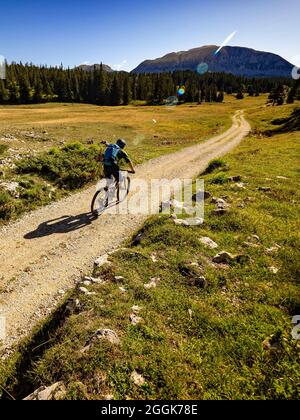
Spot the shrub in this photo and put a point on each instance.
(219, 179)
(70, 167)
(215, 164)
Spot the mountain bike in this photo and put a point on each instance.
(105, 194)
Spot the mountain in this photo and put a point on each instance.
(90, 67)
(239, 61)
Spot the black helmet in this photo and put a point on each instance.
(121, 143)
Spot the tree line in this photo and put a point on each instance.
(30, 84)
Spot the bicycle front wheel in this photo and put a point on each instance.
(100, 201)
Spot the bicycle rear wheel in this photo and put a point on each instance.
(100, 201)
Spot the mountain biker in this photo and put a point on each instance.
(113, 154)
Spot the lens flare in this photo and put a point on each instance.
(202, 68)
(225, 42)
(181, 90)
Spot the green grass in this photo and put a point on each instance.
(218, 352)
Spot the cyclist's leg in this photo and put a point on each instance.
(116, 175)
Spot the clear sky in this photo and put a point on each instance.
(122, 33)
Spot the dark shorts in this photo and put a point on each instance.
(111, 170)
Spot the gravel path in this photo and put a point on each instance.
(38, 263)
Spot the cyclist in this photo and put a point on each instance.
(114, 153)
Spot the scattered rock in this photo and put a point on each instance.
(56, 391)
(241, 185)
(122, 289)
(219, 212)
(94, 280)
(138, 238)
(200, 282)
(251, 244)
(274, 270)
(105, 334)
(273, 250)
(135, 320)
(119, 278)
(86, 292)
(265, 189)
(205, 240)
(152, 284)
(223, 258)
(136, 309)
(281, 177)
(73, 306)
(194, 221)
(99, 262)
(137, 379)
(153, 258)
(190, 313)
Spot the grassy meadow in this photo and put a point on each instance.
(228, 337)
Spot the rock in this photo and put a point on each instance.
(94, 280)
(193, 221)
(256, 237)
(273, 249)
(274, 270)
(190, 313)
(73, 306)
(241, 185)
(86, 283)
(201, 195)
(152, 284)
(105, 334)
(137, 379)
(119, 278)
(99, 262)
(56, 391)
(122, 289)
(208, 242)
(219, 201)
(86, 292)
(223, 257)
(135, 320)
(236, 178)
(138, 238)
(200, 282)
(281, 177)
(265, 189)
(251, 244)
(153, 258)
(136, 309)
(219, 212)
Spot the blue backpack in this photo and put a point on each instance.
(111, 153)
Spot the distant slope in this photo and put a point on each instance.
(90, 67)
(239, 61)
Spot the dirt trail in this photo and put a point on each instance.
(38, 260)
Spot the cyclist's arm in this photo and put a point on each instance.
(123, 155)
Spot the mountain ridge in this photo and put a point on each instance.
(240, 61)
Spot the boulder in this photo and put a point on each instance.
(137, 379)
(209, 243)
(152, 284)
(56, 391)
(223, 257)
(99, 262)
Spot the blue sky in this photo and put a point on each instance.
(124, 33)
